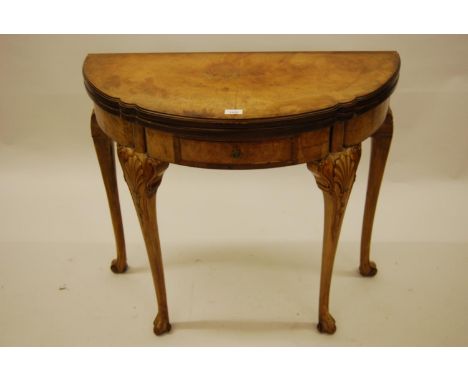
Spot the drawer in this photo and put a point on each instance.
(276, 151)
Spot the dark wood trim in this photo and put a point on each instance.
(231, 166)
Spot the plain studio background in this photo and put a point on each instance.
(241, 248)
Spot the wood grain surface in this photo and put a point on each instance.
(264, 86)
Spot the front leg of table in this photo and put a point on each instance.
(143, 176)
(381, 141)
(335, 175)
(106, 157)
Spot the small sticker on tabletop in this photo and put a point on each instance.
(233, 111)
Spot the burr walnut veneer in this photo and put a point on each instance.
(241, 111)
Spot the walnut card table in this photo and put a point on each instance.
(241, 111)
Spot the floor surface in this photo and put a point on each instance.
(261, 294)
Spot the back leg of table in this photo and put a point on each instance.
(335, 175)
(106, 157)
(380, 146)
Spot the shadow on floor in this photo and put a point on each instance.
(290, 255)
(244, 325)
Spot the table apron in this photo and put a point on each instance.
(207, 152)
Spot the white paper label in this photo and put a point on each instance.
(233, 111)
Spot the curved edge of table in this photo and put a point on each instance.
(229, 128)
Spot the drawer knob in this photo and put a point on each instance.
(235, 153)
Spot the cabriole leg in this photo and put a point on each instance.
(335, 175)
(106, 157)
(143, 176)
(380, 147)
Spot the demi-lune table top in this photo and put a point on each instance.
(240, 89)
